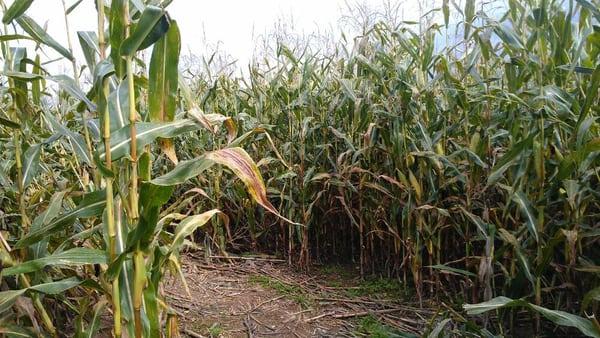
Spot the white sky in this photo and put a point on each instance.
(232, 24)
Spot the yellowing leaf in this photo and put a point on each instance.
(238, 161)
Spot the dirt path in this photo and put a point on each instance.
(266, 299)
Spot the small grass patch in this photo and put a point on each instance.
(292, 292)
(215, 330)
(370, 326)
(382, 287)
(337, 271)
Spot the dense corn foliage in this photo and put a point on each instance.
(458, 155)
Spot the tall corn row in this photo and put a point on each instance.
(461, 166)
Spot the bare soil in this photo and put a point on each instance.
(265, 298)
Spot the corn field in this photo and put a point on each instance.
(459, 156)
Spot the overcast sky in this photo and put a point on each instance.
(232, 24)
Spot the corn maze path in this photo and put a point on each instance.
(248, 298)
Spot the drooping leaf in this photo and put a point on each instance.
(147, 132)
(77, 141)
(68, 84)
(72, 257)
(56, 287)
(91, 205)
(452, 270)
(508, 35)
(558, 317)
(191, 223)
(41, 36)
(509, 159)
(530, 219)
(237, 160)
(9, 123)
(153, 24)
(8, 298)
(88, 41)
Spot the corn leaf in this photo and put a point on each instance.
(586, 326)
(16, 9)
(72, 257)
(91, 205)
(147, 132)
(163, 81)
(191, 223)
(152, 26)
(40, 35)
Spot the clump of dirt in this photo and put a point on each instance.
(265, 298)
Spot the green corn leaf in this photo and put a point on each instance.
(482, 226)
(40, 35)
(117, 35)
(184, 171)
(118, 107)
(348, 89)
(58, 287)
(469, 15)
(77, 141)
(191, 223)
(22, 75)
(153, 24)
(530, 219)
(89, 45)
(446, 11)
(591, 94)
(91, 205)
(591, 7)
(508, 35)
(16, 9)
(72, 7)
(163, 81)
(152, 199)
(54, 207)
(590, 296)
(147, 132)
(523, 261)
(72, 257)
(9, 37)
(152, 310)
(8, 298)
(38, 85)
(68, 84)
(558, 317)
(95, 321)
(509, 159)
(452, 270)
(9, 330)
(31, 163)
